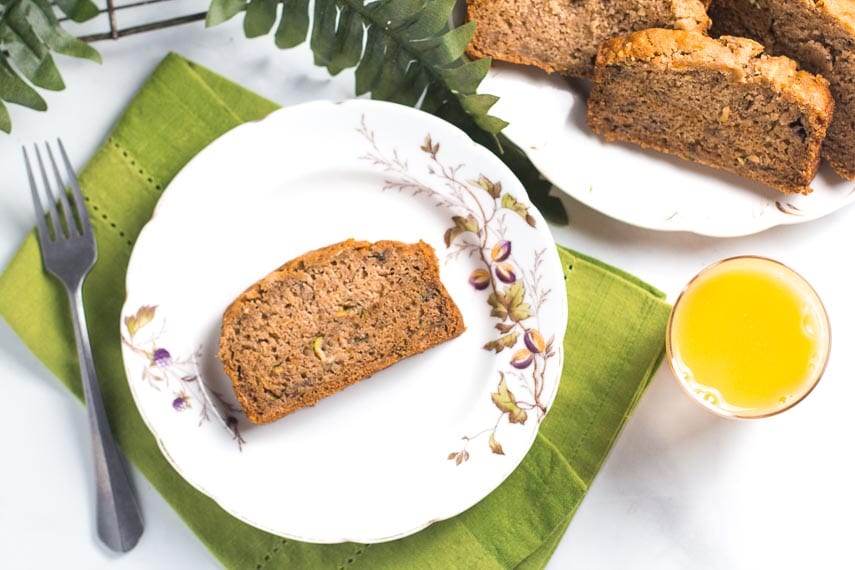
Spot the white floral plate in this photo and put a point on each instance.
(641, 187)
(418, 442)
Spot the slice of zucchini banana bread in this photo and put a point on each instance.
(821, 37)
(563, 35)
(720, 102)
(330, 318)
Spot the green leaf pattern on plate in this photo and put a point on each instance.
(513, 293)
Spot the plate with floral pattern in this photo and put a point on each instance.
(416, 443)
(639, 186)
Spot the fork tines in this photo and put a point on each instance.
(70, 221)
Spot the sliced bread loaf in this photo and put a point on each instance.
(563, 35)
(330, 318)
(723, 103)
(820, 35)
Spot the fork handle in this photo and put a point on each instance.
(119, 522)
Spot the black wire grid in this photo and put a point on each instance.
(113, 12)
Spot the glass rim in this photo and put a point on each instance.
(762, 412)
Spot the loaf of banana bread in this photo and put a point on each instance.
(562, 36)
(821, 37)
(720, 102)
(331, 318)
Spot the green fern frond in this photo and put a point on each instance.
(403, 51)
(292, 30)
(223, 10)
(29, 32)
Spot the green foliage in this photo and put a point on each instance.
(403, 51)
(78, 10)
(222, 10)
(29, 32)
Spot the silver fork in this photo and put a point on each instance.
(69, 252)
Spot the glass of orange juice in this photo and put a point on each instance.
(748, 337)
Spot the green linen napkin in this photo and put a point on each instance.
(614, 344)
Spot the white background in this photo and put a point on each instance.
(681, 488)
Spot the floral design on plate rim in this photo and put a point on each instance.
(514, 294)
(163, 370)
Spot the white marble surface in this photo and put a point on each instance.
(681, 488)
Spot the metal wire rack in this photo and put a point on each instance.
(114, 11)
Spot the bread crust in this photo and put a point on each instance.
(741, 59)
(820, 35)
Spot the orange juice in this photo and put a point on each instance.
(748, 337)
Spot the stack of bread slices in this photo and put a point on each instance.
(761, 88)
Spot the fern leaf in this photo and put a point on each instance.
(409, 46)
(449, 47)
(401, 81)
(490, 124)
(478, 103)
(466, 77)
(293, 25)
(322, 42)
(260, 17)
(392, 78)
(432, 19)
(395, 13)
(433, 100)
(348, 48)
(417, 81)
(477, 106)
(403, 51)
(222, 10)
(371, 64)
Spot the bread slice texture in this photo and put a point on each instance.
(330, 318)
(821, 37)
(720, 102)
(562, 36)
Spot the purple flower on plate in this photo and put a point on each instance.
(501, 251)
(480, 279)
(522, 359)
(534, 341)
(181, 403)
(161, 358)
(175, 375)
(506, 273)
